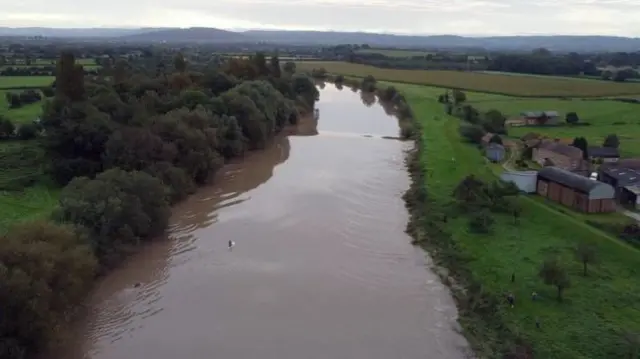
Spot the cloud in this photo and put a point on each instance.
(465, 17)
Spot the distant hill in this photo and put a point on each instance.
(213, 35)
(192, 34)
(553, 43)
(72, 32)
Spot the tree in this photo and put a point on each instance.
(611, 141)
(459, 97)
(581, 143)
(179, 63)
(494, 121)
(586, 254)
(472, 133)
(368, 84)
(553, 273)
(290, 67)
(275, 66)
(118, 209)
(69, 78)
(572, 118)
(496, 139)
(45, 270)
(260, 63)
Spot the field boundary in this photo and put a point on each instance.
(611, 95)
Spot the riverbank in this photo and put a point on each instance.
(598, 315)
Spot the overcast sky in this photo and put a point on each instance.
(465, 17)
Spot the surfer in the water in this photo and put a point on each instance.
(231, 244)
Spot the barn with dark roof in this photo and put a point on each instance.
(575, 191)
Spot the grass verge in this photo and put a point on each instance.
(23, 82)
(597, 310)
(25, 192)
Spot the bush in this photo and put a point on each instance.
(7, 128)
(472, 133)
(48, 91)
(27, 131)
(481, 222)
(118, 209)
(45, 270)
(368, 84)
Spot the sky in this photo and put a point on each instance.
(461, 17)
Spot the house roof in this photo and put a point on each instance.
(562, 149)
(604, 152)
(630, 163)
(537, 114)
(569, 179)
(635, 189)
(487, 137)
(623, 174)
(495, 146)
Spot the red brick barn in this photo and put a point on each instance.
(575, 191)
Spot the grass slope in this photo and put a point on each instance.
(528, 86)
(20, 115)
(9, 82)
(24, 190)
(596, 310)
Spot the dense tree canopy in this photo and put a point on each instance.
(126, 144)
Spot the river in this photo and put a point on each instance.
(322, 268)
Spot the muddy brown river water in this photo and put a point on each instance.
(322, 268)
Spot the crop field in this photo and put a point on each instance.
(524, 86)
(9, 82)
(23, 190)
(43, 62)
(597, 309)
(395, 52)
(24, 114)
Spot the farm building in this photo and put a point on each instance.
(486, 139)
(534, 118)
(605, 154)
(630, 163)
(575, 191)
(524, 180)
(619, 177)
(630, 196)
(560, 155)
(495, 152)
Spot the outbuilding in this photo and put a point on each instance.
(575, 191)
(495, 152)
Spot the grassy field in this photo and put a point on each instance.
(597, 308)
(524, 86)
(24, 189)
(605, 117)
(9, 82)
(23, 114)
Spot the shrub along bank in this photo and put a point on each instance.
(574, 288)
(125, 148)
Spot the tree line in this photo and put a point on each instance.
(125, 146)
